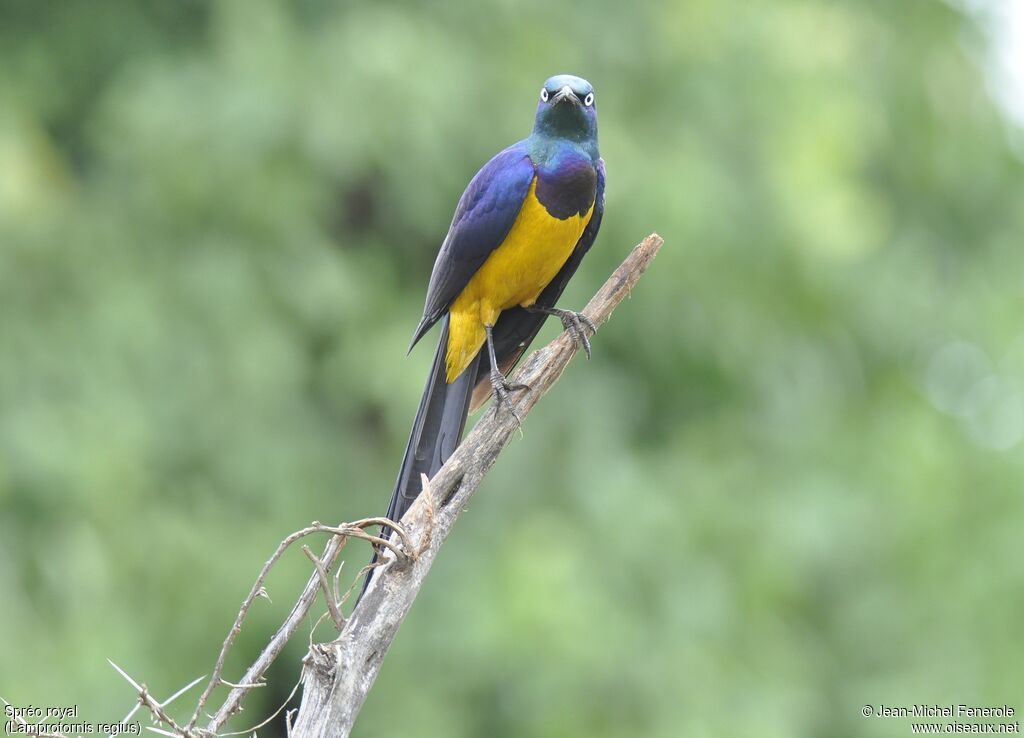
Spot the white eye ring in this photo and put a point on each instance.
(589, 99)
(544, 94)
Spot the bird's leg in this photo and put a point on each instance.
(502, 387)
(573, 322)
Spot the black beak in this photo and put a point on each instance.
(565, 94)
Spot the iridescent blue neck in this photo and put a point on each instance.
(566, 122)
(545, 145)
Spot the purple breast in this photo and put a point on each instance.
(568, 187)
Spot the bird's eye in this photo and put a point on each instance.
(589, 99)
(544, 94)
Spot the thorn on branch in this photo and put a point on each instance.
(226, 683)
(146, 699)
(319, 580)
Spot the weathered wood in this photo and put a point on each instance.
(338, 675)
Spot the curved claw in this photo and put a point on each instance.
(502, 389)
(576, 324)
(573, 323)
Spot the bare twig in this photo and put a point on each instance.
(165, 703)
(325, 586)
(253, 677)
(338, 675)
(354, 531)
(298, 613)
(257, 591)
(273, 715)
(146, 699)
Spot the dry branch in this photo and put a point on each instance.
(254, 674)
(338, 675)
(325, 587)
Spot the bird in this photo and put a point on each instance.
(520, 230)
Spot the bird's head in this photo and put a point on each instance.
(567, 108)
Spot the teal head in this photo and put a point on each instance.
(567, 108)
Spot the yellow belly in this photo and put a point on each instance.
(514, 274)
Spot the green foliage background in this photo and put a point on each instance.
(788, 484)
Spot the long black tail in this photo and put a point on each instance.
(436, 431)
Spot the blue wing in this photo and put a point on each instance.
(516, 328)
(484, 217)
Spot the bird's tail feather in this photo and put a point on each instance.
(436, 431)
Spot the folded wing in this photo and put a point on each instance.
(484, 217)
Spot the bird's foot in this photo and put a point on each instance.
(576, 325)
(503, 390)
